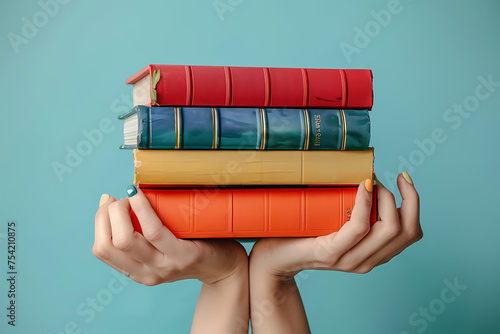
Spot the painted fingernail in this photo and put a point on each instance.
(407, 177)
(104, 199)
(131, 190)
(369, 185)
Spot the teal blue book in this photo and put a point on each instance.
(200, 128)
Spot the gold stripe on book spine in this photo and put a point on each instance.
(344, 130)
(264, 129)
(150, 126)
(177, 128)
(215, 129)
(306, 122)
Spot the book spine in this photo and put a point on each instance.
(182, 85)
(253, 213)
(252, 128)
(144, 121)
(252, 167)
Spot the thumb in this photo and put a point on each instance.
(363, 204)
(338, 243)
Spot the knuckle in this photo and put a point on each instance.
(361, 229)
(123, 243)
(412, 233)
(420, 235)
(150, 281)
(348, 267)
(152, 233)
(393, 230)
(364, 269)
(100, 251)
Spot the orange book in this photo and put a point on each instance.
(252, 212)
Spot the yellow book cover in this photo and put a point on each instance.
(239, 167)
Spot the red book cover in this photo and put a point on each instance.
(184, 85)
(252, 212)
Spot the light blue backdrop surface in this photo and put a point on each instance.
(67, 76)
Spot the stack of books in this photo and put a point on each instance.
(236, 152)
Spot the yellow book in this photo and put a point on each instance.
(244, 167)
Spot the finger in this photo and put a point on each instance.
(396, 251)
(103, 248)
(410, 206)
(394, 248)
(386, 204)
(380, 233)
(102, 226)
(410, 227)
(126, 239)
(332, 247)
(152, 228)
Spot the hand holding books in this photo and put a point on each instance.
(159, 257)
(356, 248)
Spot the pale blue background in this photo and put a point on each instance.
(71, 75)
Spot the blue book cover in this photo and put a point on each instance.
(245, 128)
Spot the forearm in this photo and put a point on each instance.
(223, 306)
(275, 303)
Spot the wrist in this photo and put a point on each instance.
(223, 304)
(233, 275)
(275, 298)
(222, 261)
(280, 259)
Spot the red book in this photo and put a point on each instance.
(252, 212)
(183, 85)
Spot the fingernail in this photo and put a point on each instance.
(131, 190)
(369, 185)
(407, 177)
(104, 199)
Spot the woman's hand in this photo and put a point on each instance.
(157, 256)
(357, 247)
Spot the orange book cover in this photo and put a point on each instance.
(252, 212)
